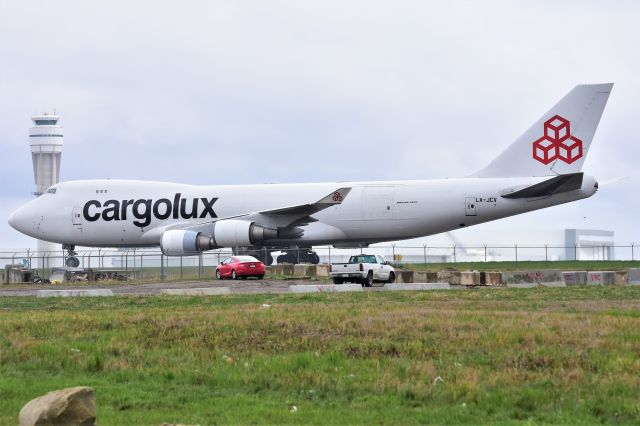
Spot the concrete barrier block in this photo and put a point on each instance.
(268, 270)
(325, 288)
(98, 292)
(204, 291)
(572, 278)
(404, 276)
(601, 278)
(450, 276)
(416, 286)
(532, 277)
(284, 269)
(470, 278)
(322, 270)
(492, 279)
(304, 270)
(425, 276)
(633, 277)
(622, 278)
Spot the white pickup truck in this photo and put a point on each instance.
(363, 268)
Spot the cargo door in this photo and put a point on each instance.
(377, 202)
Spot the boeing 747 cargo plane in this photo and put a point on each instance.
(542, 168)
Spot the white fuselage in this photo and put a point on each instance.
(120, 213)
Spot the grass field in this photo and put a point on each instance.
(568, 355)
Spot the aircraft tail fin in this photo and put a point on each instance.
(558, 142)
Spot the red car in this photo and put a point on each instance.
(235, 267)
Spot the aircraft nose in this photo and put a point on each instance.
(17, 219)
(23, 219)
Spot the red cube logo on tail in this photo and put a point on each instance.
(557, 142)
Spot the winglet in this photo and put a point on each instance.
(336, 197)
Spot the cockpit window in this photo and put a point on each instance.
(51, 191)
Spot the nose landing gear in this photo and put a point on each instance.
(71, 261)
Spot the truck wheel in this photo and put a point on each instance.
(368, 282)
(338, 281)
(392, 277)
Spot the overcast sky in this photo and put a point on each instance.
(244, 92)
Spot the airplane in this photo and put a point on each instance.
(541, 168)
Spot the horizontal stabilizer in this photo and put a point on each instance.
(555, 185)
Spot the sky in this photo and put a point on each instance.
(207, 92)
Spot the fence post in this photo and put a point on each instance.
(181, 267)
(485, 253)
(546, 253)
(424, 248)
(162, 266)
(126, 264)
(29, 258)
(575, 252)
(632, 252)
(393, 252)
(454, 254)
(329, 255)
(516, 246)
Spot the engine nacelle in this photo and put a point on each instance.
(226, 233)
(240, 233)
(185, 242)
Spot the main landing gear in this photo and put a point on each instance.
(71, 261)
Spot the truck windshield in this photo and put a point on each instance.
(362, 259)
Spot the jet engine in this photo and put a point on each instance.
(224, 233)
(184, 242)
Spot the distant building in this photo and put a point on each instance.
(589, 244)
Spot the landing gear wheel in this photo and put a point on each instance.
(234, 276)
(72, 262)
(368, 282)
(392, 277)
(218, 275)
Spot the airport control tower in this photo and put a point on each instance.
(45, 138)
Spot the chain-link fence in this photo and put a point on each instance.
(149, 264)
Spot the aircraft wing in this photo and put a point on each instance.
(274, 218)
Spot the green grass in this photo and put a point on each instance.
(565, 265)
(569, 355)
